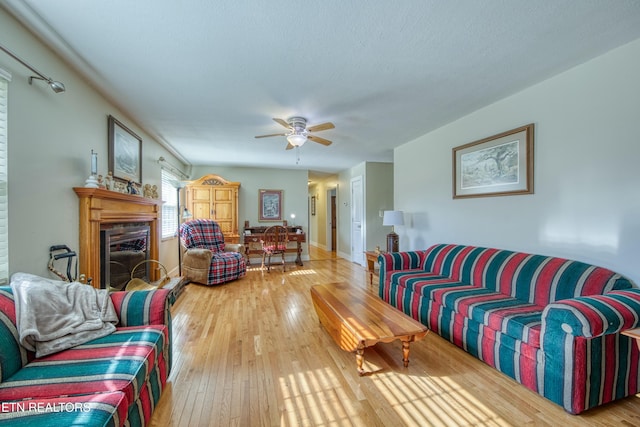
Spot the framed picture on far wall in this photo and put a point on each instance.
(270, 205)
(125, 152)
(500, 165)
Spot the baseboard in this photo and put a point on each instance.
(174, 272)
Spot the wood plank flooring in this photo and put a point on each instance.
(252, 353)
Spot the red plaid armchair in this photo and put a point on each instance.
(205, 260)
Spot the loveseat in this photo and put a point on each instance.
(110, 381)
(551, 324)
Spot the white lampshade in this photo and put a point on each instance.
(393, 218)
(296, 139)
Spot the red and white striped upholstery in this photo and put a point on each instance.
(113, 380)
(552, 324)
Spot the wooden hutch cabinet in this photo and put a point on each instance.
(213, 197)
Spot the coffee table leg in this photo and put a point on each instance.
(360, 358)
(405, 353)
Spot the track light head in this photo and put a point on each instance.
(56, 86)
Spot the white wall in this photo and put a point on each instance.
(50, 141)
(377, 179)
(586, 204)
(378, 197)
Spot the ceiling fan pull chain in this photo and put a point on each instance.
(297, 155)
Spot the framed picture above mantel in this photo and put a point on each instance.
(125, 152)
(500, 165)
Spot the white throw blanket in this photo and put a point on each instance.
(53, 315)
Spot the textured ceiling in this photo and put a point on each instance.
(205, 77)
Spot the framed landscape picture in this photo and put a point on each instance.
(270, 205)
(125, 152)
(499, 165)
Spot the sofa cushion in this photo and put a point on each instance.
(202, 233)
(117, 362)
(12, 355)
(423, 283)
(537, 279)
(226, 266)
(517, 319)
(103, 409)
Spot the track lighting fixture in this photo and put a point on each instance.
(56, 86)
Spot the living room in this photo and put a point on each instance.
(584, 206)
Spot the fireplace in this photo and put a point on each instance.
(123, 250)
(106, 210)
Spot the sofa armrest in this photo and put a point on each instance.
(595, 315)
(407, 260)
(138, 308)
(196, 263)
(233, 247)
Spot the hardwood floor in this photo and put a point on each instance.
(252, 353)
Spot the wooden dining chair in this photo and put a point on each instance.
(274, 242)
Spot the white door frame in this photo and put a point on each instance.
(357, 248)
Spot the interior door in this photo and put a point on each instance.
(334, 221)
(357, 235)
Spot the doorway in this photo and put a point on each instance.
(332, 220)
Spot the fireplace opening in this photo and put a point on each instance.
(121, 250)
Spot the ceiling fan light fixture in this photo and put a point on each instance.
(296, 139)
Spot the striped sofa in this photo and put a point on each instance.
(551, 324)
(111, 381)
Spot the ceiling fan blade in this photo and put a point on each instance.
(273, 134)
(290, 146)
(319, 140)
(322, 126)
(283, 123)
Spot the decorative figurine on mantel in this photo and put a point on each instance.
(146, 191)
(101, 182)
(131, 188)
(119, 186)
(108, 181)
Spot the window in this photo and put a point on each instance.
(5, 78)
(170, 205)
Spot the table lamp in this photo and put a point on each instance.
(392, 218)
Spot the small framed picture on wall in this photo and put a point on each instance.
(270, 205)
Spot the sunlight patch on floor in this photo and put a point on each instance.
(433, 401)
(314, 397)
(305, 272)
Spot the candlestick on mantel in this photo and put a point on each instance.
(94, 163)
(92, 182)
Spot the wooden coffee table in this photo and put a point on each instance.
(356, 319)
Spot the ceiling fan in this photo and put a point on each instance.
(298, 132)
